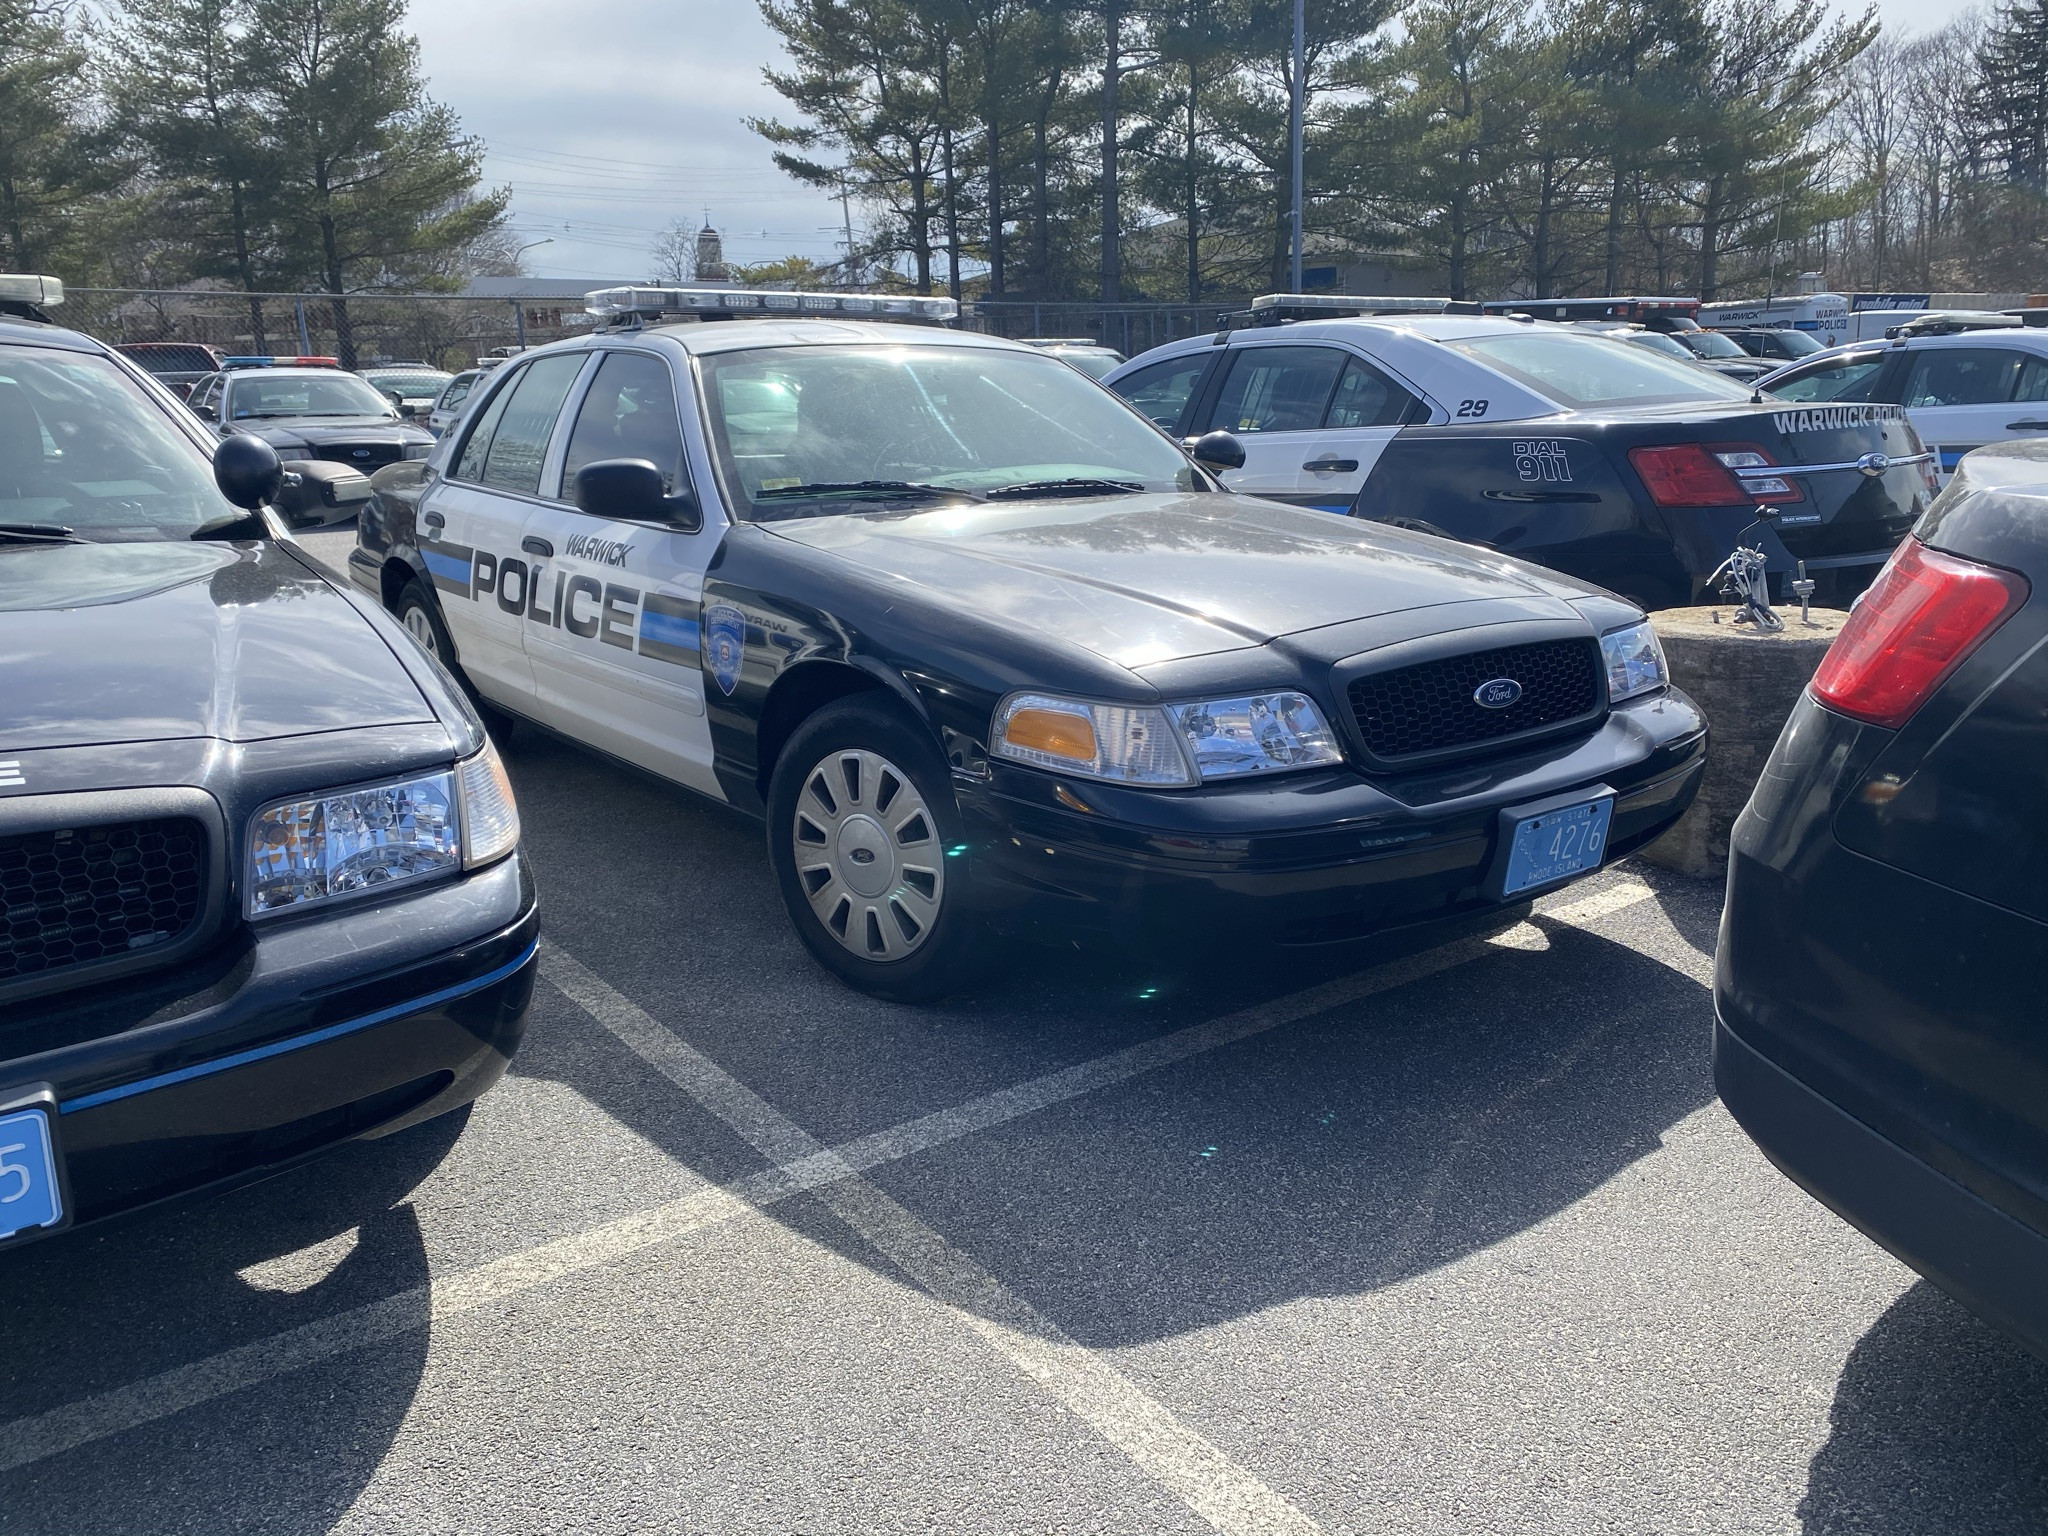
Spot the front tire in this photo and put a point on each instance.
(861, 821)
(420, 613)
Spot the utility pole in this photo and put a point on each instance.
(853, 277)
(1294, 129)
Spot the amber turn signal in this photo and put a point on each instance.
(1057, 732)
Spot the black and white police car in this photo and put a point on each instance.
(980, 645)
(309, 410)
(1600, 459)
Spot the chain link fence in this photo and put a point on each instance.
(444, 331)
(362, 330)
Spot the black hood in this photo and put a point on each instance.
(151, 642)
(322, 431)
(1150, 578)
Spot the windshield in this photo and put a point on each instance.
(806, 431)
(1797, 344)
(413, 384)
(1709, 344)
(84, 451)
(256, 395)
(1582, 372)
(1656, 341)
(1094, 363)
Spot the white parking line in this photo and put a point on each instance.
(36, 1437)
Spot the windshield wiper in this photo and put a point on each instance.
(1080, 485)
(40, 533)
(887, 490)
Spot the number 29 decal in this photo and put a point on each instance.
(1472, 410)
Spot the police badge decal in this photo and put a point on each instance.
(725, 644)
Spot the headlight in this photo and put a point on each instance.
(1266, 733)
(1125, 744)
(419, 450)
(1175, 747)
(355, 840)
(1635, 662)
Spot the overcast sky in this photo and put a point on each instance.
(610, 119)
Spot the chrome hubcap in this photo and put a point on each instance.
(417, 626)
(868, 855)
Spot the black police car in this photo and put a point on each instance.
(1595, 457)
(309, 410)
(1878, 985)
(260, 889)
(979, 644)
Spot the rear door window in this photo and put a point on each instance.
(1278, 389)
(521, 430)
(1365, 397)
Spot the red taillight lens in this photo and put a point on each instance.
(1924, 614)
(1686, 475)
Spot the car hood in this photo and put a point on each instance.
(106, 643)
(315, 432)
(1150, 578)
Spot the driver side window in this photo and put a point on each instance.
(1850, 380)
(629, 412)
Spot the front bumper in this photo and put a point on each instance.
(1983, 1257)
(1305, 858)
(292, 1038)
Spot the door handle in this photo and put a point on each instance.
(435, 520)
(1332, 466)
(533, 544)
(2026, 426)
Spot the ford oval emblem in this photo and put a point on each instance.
(1874, 464)
(1498, 694)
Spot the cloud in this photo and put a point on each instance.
(609, 120)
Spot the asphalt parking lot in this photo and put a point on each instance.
(1455, 1239)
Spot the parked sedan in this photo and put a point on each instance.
(413, 388)
(1878, 983)
(1961, 390)
(448, 405)
(260, 887)
(311, 413)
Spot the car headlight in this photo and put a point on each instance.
(1175, 747)
(325, 847)
(1635, 662)
(419, 450)
(1265, 733)
(1123, 743)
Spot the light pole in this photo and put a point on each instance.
(518, 309)
(1294, 129)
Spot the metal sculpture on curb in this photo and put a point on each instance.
(1745, 581)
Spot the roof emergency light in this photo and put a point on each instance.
(280, 362)
(25, 288)
(1278, 308)
(625, 304)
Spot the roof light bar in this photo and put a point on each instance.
(1349, 304)
(280, 362)
(618, 304)
(25, 288)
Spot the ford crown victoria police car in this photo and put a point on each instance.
(260, 887)
(980, 645)
(1588, 455)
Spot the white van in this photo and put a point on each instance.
(1824, 315)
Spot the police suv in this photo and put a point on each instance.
(1540, 440)
(980, 644)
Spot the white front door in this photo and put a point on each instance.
(1959, 398)
(1313, 419)
(615, 641)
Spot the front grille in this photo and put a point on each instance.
(1429, 707)
(78, 895)
(363, 456)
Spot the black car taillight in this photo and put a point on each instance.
(1926, 612)
(1695, 475)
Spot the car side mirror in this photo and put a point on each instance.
(247, 470)
(407, 409)
(1218, 450)
(206, 413)
(631, 490)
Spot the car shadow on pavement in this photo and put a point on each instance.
(100, 1311)
(1939, 1428)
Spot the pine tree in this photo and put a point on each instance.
(45, 166)
(2012, 93)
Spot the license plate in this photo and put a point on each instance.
(1558, 844)
(29, 1195)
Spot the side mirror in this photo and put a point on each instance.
(247, 470)
(631, 490)
(316, 493)
(1218, 450)
(205, 413)
(406, 408)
